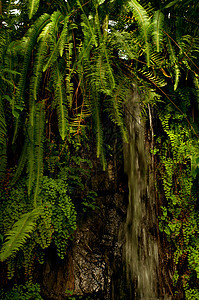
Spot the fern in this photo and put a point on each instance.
(20, 232)
(173, 61)
(153, 78)
(31, 150)
(69, 73)
(63, 36)
(117, 102)
(33, 6)
(3, 141)
(56, 18)
(125, 43)
(32, 38)
(144, 24)
(60, 100)
(39, 138)
(98, 127)
(32, 35)
(3, 126)
(158, 23)
(41, 54)
(87, 24)
(21, 164)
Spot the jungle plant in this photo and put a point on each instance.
(23, 292)
(75, 63)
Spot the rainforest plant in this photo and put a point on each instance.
(66, 70)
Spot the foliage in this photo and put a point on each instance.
(179, 218)
(72, 65)
(23, 292)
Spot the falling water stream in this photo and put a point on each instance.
(141, 250)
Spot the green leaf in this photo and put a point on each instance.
(171, 3)
(17, 236)
(158, 23)
(33, 6)
(144, 24)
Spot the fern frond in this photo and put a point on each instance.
(86, 23)
(69, 71)
(158, 23)
(157, 60)
(39, 139)
(196, 85)
(63, 36)
(153, 78)
(115, 108)
(3, 126)
(98, 127)
(174, 61)
(60, 100)
(31, 151)
(3, 140)
(32, 35)
(144, 24)
(21, 164)
(56, 18)
(41, 54)
(20, 232)
(33, 6)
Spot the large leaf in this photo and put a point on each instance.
(158, 22)
(33, 6)
(144, 23)
(61, 102)
(17, 236)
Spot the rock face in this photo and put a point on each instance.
(93, 266)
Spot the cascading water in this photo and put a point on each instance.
(141, 250)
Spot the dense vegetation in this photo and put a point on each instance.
(71, 65)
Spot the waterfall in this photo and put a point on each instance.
(141, 249)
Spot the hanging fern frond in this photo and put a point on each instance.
(39, 139)
(43, 40)
(56, 18)
(115, 108)
(33, 6)
(69, 71)
(3, 141)
(35, 148)
(60, 100)
(20, 232)
(32, 35)
(174, 62)
(21, 164)
(98, 127)
(31, 151)
(196, 84)
(3, 126)
(144, 24)
(63, 36)
(158, 23)
(88, 25)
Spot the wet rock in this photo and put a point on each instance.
(94, 256)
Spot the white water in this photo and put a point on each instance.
(141, 250)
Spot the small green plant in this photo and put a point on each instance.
(29, 291)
